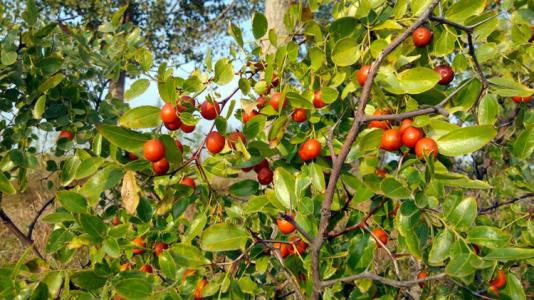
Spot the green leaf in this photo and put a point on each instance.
(57, 240)
(259, 25)
(8, 58)
(5, 185)
(244, 187)
(460, 180)
(137, 89)
(329, 94)
(69, 170)
(487, 236)
(506, 254)
(107, 178)
(407, 216)
(112, 248)
(40, 292)
(196, 227)
(508, 87)
(488, 110)
(124, 138)
(223, 237)
(317, 58)
(167, 89)
(298, 101)
(244, 85)
(88, 167)
(418, 6)
(89, 280)
(141, 117)
(39, 107)
(167, 265)
(463, 9)
(224, 72)
(51, 82)
(50, 65)
(440, 248)
(172, 152)
(459, 266)
(418, 80)
(513, 289)
(247, 285)
(343, 26)
(188, 256)
(72, 201)
(345, 52)
(93, 225)
(524, 143)
(134, 288)
(236, 33)
(277, 131)
(284, 187)
(464, 214)
(392, 188)
(465, 140)
(468, 95)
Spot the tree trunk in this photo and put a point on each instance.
(116, 88)
(274, 12)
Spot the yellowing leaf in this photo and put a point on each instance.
(130, 192)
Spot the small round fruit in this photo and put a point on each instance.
(260, 102)
(519, 99)
(181, 104)
(187, 273)
(379, 124)
(246, 170)
(299, 115)
(381, 235)
(532, 37)
(154, 150)
(210, 110)
(188, 128)
(391, 140)
(141, 245)
(146, 269)
(160, 167)
(411, 136)
(309, 150)
(198, 289)
(381, 172)
(276, 98)
(318, 101)
(283, 248)
(115, 220)
(284, 226)
(263, 164)
(426, 146)
(159, 247)
(500, 280)
(233, 137)
(422, 37)
(265, 176)
(494, 290)
(247, 116)
(168, 113)
(446, 74)
(405, 124)
(297, 243)
(180, 146)
(118, 297)
(362, 74)
(125, 267)
(215, 142)
(66, 134)
(132, 156)
(190, 182)
(173, 126)
(422, 275)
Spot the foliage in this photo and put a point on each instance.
(458, 216)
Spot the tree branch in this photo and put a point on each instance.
(297, 226)
(384, 280)
(36, 218)
(361, 224)
(18, 233)
(351, 136)
(499, 204)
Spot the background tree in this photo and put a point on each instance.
(396, 160)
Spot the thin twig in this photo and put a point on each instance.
(393, 259)
(296, 225)
(360, 224)
(384, 280)
(499, 204)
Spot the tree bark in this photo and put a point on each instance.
(116, 88)
(274, 12)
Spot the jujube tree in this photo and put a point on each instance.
(391, 150)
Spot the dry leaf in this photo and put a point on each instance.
(130, 192)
